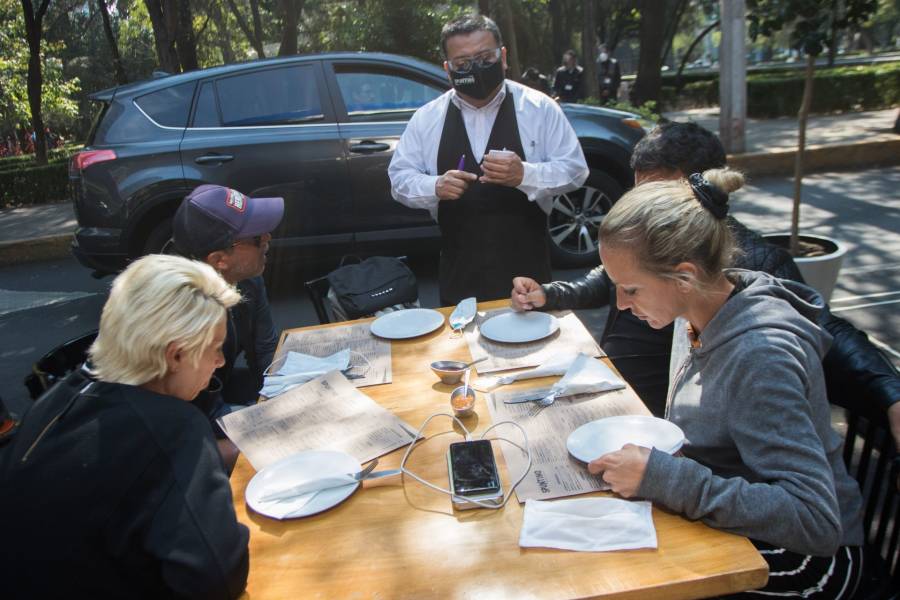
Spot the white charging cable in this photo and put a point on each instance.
(526, 449)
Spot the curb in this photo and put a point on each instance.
(816, 159)
(50, 247)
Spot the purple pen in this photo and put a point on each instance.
(461, 166)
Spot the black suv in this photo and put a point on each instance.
(318, 130)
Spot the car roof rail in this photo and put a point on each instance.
(159, 74)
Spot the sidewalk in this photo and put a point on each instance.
(834, 142)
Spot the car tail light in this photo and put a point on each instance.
(83, 160)
(633, 123)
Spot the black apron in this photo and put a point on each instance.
(493, 232)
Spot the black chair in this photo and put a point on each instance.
(58, 363)
(871, 458)
(318, 290)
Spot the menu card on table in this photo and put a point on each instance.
(327, 413)
(374, 369)
(554, 472)
(571, 338)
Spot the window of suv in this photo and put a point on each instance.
(376, 96)
(170, 106)
(207, 112)
(282, 96)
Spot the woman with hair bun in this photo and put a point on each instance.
(760, 457)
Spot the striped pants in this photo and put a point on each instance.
(793, 575)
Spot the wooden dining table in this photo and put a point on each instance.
(397, 538)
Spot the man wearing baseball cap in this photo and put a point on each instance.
(231, 232)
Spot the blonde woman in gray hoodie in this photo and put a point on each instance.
(761, 459)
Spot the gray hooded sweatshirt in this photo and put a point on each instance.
(760, 457)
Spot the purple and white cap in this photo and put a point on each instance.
(212, 217)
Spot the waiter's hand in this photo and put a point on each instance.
(453, 184)
(504, 169)
(623, 469)
(527, 294)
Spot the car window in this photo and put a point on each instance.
(382, 96)
(169, 106)
(207, 113)
(281, 96)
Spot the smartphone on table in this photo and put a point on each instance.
(473, 474)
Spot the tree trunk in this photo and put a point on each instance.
(224, 37)
(508, 30)
(590, 85)
(672, 26)
(687, 55)
(34, 23)
(121, 77)
(649, 75)
(257, 25)
(801, 145)
(291, 10)
(165, 42)
(556, 26)
(484, 7)
(833, 32)
(186, 43)
(255, 41)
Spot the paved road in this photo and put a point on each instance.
(44, 304)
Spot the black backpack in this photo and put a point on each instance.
(372, 285)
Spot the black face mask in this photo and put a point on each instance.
(479, 82)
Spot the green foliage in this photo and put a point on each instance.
(34, 185)
(647, 111)
(778, 93)
(809, 21)
(59, 107)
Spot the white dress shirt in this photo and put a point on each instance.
(554, 162)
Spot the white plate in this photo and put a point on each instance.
(409, 323)
(516, 327)
(593, 440)
(294, 470)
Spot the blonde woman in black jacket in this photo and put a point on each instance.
(113, 486)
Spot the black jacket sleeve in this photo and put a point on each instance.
(858, 376)
(194, 532)
(590, 291)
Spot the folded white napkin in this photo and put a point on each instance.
(313, 485)
(555, 365)
(299, 368)
(588, 525)
(587, 375)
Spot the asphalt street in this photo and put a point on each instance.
(45, 304)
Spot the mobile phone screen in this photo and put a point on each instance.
(474, 468)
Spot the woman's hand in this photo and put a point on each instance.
(623, 469)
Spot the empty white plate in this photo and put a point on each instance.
(517, 327)
(296, 469)
(593, 440)
(409, 323)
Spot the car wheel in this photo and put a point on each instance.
(160, 239)
(575, 218)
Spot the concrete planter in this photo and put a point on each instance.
(820, 272)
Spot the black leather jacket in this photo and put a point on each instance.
(856, 372)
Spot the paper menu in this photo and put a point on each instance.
(554, 472)
(571, 338)
(327, 413)
(356, 337)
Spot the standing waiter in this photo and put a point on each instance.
(486, 159)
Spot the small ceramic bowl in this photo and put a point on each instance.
(462, 404)
(449, 371)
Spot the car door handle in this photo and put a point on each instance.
(208, 159)
(368, 147)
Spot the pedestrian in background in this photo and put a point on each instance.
(567, 84)
(609, 75)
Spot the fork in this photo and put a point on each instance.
(543, 403)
